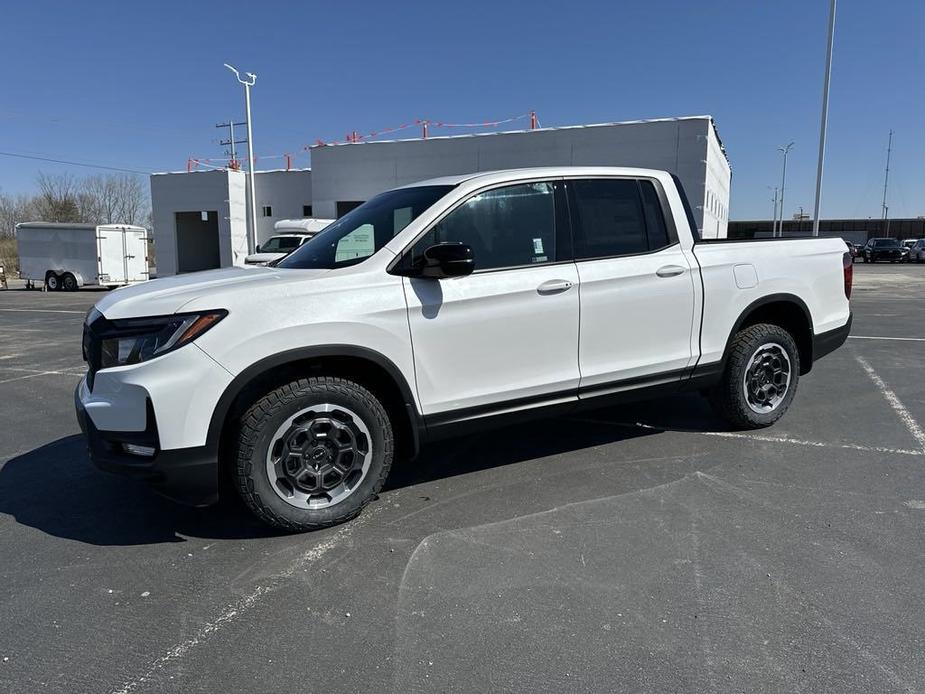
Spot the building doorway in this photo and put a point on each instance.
(197, 241)
(344, 206)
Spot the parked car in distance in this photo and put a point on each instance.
(854, 249)
(917, 252)
(887, 249)
(439, 308)
(276, 247)
(289, 235)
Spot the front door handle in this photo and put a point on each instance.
(670, 271)
(554, 287)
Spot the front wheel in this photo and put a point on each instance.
(313, 453)
(760, 379)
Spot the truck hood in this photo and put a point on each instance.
(170, 294)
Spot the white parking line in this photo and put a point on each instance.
(39, 310)
(236, 610)
(760, 437)
(878, 337)
(39, 373)
(895, 403)
(816, 444)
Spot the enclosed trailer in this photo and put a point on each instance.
(70, 256)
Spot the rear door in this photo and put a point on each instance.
(136, 255)
(111, 254)
(636, 285)
(506, 336)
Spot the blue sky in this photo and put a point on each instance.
(141, 85)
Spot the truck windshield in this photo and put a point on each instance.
(280, 244)
(363, 231)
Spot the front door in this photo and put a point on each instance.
(637, 293)
(506, 336)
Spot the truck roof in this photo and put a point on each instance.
(503, 175)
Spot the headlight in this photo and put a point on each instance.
(133, 340)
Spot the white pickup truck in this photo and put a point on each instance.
(438, 307)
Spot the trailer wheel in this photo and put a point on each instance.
(69, 282)
(52, 283)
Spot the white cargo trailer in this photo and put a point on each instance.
(70, 256)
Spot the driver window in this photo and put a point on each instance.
(511, 226)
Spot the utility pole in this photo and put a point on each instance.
(886, 179)
(251, 78)
(825, 117)
(774, 212)
(783, 180)
(233, 164)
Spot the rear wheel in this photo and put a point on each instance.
(760, 380)
(69, 282)
(313, 453)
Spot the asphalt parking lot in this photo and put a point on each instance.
(644, 548)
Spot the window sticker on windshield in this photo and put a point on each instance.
(538, 246)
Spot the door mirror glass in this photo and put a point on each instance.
(257, 249)
(447, 260)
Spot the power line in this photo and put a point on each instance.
(73, 163)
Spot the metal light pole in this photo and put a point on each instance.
(886, 179)
(783, 180)
(252, 197)
(825, 117)
(773, 212)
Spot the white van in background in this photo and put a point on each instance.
(288, 235)
(70, 256)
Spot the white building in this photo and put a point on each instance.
(200, 217)
(188, 205)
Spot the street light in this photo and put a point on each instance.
(825, 117)
(773, 211)
(783, 178)
(248, 83)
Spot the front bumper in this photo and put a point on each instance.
(165, 405)
(186, 475)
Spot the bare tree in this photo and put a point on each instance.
(58, 199)
(134, 199)
(15, 209)
(113, 199)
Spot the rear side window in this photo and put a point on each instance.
(511, 226)
(616, 217)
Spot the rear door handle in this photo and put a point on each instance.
(670, 271)
(554, 287)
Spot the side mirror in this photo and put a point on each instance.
(447, 260)
(257, 250)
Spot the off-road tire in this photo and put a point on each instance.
(728, 398)
(255, 432)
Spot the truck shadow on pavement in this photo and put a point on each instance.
(56, 489)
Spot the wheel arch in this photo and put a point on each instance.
(367, 367)
(786, 310)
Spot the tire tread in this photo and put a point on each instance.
(728, 398)
(251, 423)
